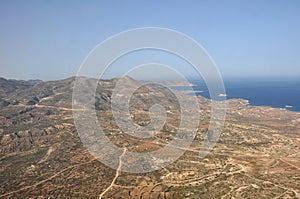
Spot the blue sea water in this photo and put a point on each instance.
(274, 93)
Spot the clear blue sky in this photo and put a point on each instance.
(50, 39)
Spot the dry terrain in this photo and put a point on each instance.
(41, 155)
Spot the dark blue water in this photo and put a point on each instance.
(274, 93)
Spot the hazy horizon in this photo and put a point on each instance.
(191, 79)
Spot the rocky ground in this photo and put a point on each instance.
(42, 156)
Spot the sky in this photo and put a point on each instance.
(49, 40)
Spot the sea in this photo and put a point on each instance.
(277, 93)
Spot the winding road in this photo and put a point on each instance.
(116, 176)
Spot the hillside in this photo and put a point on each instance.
(42, 156)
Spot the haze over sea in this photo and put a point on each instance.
(282, 93)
